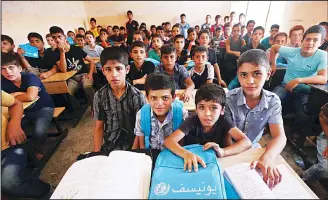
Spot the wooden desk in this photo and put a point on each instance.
(56, 84)
(254, 154)
(95, 59)
(317, 98)
(25, 105)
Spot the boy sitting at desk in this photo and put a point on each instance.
(157, 43)
(182, 54)
(15, 181)
(139, 68)
(176, 71)
(201, 73)
(160, 92)
(251, 108)
(209, 127)
(115, 104)
(70, 57)
(27, 87)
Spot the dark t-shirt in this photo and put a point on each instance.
(212, 56)
(74, 59)
(324, 46)
(193, 130)
(146, 68)
(28, 80)
(250, 46)
(44, 63)
(183, 58)
(116, 38)
(192, 48)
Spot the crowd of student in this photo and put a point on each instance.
(160, 61)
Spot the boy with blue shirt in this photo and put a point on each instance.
(252, 108)
(267, 42)
(160, 92)
(184, 25)
(176, 71)
(305, 65)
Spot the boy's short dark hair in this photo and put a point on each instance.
(235, 25)
(190, 30)
(34, 35)
(258, 28)
(242, 14)
(122, 28)
(56, 29)
(280, 34)
(218, 29)
(275, 26)
(99, 26)
(80, 36)
(157, 36)
(217, 16)
(10, 59)
(89, 33)
(114, 53)
(167, 23)
(167, 49)
(209, 16)
(48, 35)
(211, 92)
(104, 30)
(159, 81)
(197, 26)
(70, 32)
(323, 23)
(176, 26)
(116, 27)
(93, 20)
(159, 28)
(200, 49)
(177, 37)
(227, 25)
(81, 28)
(152, 26)
(137, 44)
(256, 57)
(129, 12)
(182, 15)
(202, 32)
(249, 22)
(7, 38)
(243, 26)
(226, 17)
(109, 26)
(316, 29)
(233, 12)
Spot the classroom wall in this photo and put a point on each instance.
(21, 17)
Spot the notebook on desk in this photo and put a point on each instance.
(122, 174)
(248, 184)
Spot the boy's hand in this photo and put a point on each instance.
(219, 151)
(15, 94)
(237, 53)
(89, 76)
(15, 134)
(191, 159)
(269, 171)
(186, 95)
(325, 153)
(273, 69)
(20, 51)
(61, 48)
(44, 75)
(292, 84)
(222, 83)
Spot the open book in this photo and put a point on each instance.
(122, 174)
(249, 184)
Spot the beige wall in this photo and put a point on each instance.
(21, 17)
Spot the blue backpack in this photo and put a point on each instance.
(177, 109)
(170, 181)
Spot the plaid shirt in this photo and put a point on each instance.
(118, 113)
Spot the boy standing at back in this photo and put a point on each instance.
(116, 104)
(93, 29)
(160, 92)
(131, 26)
(250, 27)
(209, 127)
(251, 108)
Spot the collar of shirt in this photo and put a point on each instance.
(167, 119)
(199, 73)
(241, 100)
(128, 87)
(161, 68)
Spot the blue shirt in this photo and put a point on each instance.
(301, 67)
(265, 42)
(253, 121)
(184, 29)
(180, 75)
(28, 80)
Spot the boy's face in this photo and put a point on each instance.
(179, 44)
(218, 20)
(72, 35)
(156, 43)
(130, 16)
(208, 113)
(208, 18)
(274, 31)
(80, 42)
(59, 38)
(232, 17)
(116, 32)
(236, 31)
(89, 39)
(81, 32)
(197, 29)
(226, 20)
(241, 19)
(168, 27)
(160, 101)
(168, 61)
(257, 36)
(183, 19)
(137, 37)
(6, 46)
(311, 43)
(218, 33)
(252, 79)
(115, 73)
(243, 31)
(204, 39)
(98, 29)
(153, 30)
(109, 29)
(51, 42)
(103, 34)
(175, 31)
(296, 37)
(200, 59)
(93, 24)
(36, 43)
(192, 36)
(138, 54)
(280, 40)
(160, 32)
(227, 31)
(11, 72)
(122, 32)
(250, 27)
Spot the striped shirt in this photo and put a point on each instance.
(118, 113)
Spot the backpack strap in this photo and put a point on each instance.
(177, 108)
(145, 122)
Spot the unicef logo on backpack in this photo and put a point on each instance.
(162, 189)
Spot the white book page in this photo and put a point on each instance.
(248, 183)
(289, 187)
